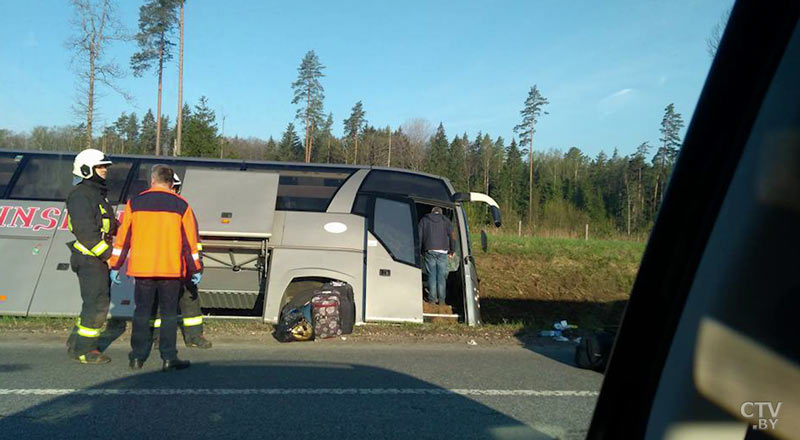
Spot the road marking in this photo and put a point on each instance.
(291, 391)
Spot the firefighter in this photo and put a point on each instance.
(91, 219)
(189, 304)
(158, 237)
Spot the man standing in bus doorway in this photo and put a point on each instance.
(158, 237)
(188, 304)
(91, 219)
(437, 241)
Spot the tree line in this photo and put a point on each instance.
(618, 195)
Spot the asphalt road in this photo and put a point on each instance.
(327, 389)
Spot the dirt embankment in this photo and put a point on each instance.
(537, 281)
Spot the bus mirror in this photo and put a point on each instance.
(461, 197)
(496, 215)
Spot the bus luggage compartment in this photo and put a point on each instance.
(235, 212)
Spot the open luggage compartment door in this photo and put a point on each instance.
(234, 213)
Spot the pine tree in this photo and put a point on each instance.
(456, 158)
(147, 140)
(309, 91)
(437, 157)
(157, 20)
(290, 149)
(322, 149)
(530, 116)
(270, 150)
(132, 132)
(200, 137)
(353, 126)
(671, 125)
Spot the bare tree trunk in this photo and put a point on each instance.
(179, 123)
(530, 179)
(308, 113)
(389, 161)
(355, 157)
(628, 197)
(639, 192)
(329, 147)
(90, 98)
(160, 73)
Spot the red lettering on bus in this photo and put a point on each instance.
(25, 216)
(3, 214)
(51, 222)
(65, 224)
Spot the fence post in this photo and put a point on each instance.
(519, 229)
(587, 231)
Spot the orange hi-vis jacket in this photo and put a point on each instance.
(158, 237)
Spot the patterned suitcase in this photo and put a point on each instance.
(327, 316)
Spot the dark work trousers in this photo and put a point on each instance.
(145, 293)
(191, 313)
(96, 295)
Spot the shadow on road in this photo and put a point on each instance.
(208, 401)
(13, 367)
(538, 315)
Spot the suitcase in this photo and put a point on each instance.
(326, 315)
(347, 305)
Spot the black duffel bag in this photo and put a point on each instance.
(594, 350)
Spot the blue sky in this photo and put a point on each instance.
(608, 68)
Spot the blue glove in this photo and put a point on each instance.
(114, 275)
(196, 278)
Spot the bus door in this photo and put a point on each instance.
(471, 280)
(393, 274)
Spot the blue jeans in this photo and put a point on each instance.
(436, 266)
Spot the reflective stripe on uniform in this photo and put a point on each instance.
(196, 256)
(82, 249)
(199, 246)
(156, 323)
(69, 223)
(106, 222)
(195, 320)
(99, 248)
(87, 332)
(96, 251)
(116, 252)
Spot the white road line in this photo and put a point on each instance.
(290, 391)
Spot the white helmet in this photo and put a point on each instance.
(86, 160)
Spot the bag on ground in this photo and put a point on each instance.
(327, 316)
(347, 305)
(594, 350)
(295, 324)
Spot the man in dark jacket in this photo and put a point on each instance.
(437, 241)
(92, 221)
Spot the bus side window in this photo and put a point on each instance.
(44, 178)
(8, 165)
(394, 226)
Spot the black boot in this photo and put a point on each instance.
(197, 341)
(175, 364)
